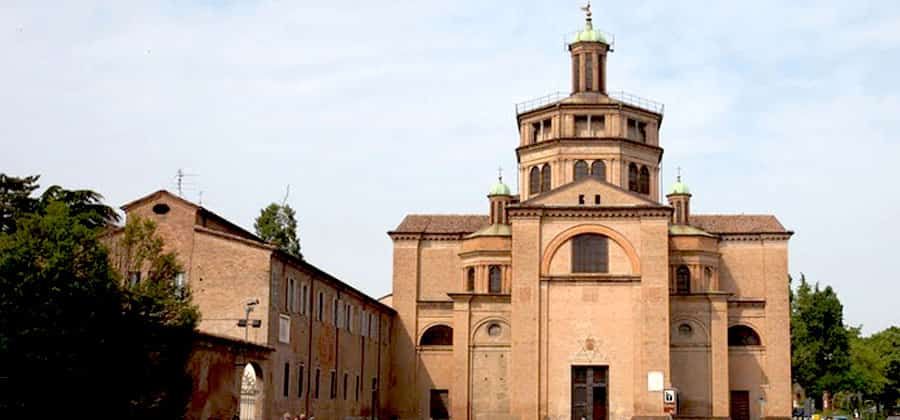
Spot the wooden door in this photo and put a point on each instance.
(589, 393)
(740, 405)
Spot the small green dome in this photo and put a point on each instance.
(589, 35)
(499, 189)
(679, 187)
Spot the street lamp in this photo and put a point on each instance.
(246, 323)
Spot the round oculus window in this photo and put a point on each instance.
(494, 330)
(685, 330)
(161, 208)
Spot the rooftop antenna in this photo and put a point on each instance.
(180, 180)
(200, 197)
(500, 174)
(286, 194)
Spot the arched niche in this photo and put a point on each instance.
(557, 256)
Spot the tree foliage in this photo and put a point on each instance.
(819, 341)
(72, 336)
(277, 223)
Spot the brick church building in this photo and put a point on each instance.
(585, 295)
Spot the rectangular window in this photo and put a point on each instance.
(642, 132)
(364, 323)
(289, 296)
(597, 125)
(582, 129)
(284, 329)
(546, 129)
(576, 73)
(304, 300)
(300, 381)
(321, 305)
(345, 386)
(632, 129)
(535, 132)
(439, 408)
(316, 389)
(134, 278)
(287, 379)
(335, 313)
(349, 318)
(357, 387)
(333, 389)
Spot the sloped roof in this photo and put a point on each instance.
(738, 223)
(442, 223)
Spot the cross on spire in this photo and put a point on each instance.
(500, 173)
(679, 174)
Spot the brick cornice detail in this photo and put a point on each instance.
(590, 211)
(580, 141)
(763, 236)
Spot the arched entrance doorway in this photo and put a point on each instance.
(251, 392)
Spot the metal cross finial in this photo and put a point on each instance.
(679, 174)
(500, 173)
(587, 9)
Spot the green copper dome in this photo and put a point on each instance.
(589, 35)
(499, 189)
(680, 187)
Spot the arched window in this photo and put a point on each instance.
(598, 170)
(707, 277)
(590, 253)
(632, 177)
(495, 279)
(581, 170)
(438, 335)
(534, 181)
(742, 335)
(470, 279)
(545, 178)
(682, 279)
(644, 180)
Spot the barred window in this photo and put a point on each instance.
(438, 335)
(545, 178)
(590, 253)
(534, 181)
(644, 180)
(581, 170)
(682, 279)
(633, 178)
(598, 170)
(495, 279)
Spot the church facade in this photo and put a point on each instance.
(589, 294)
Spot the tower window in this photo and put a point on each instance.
(582, 129)
(470, 279)
(545, 178)
(682, 279)
(580, 198)
(597, 124)
(535, 132)
(644, 180)
(590, 253)
(576, 72)
(598, 170)
(495, 281)
(581, 170)
(534, 181)
(633, 177)
(597, 199)
(588, 71)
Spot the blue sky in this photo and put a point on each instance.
(374, 110)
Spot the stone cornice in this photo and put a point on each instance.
(435, 304)
(591, 278)
(480, 297)
(417, 236)
(747, 303)
(589, 211)
(580, 141)
(506, 253)
(756, 236)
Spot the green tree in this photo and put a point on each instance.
(886, 344)
(71, 334)
(277, 224)
(15, 199)
(819, 341)
(866, 375)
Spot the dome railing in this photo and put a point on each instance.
(622, 96)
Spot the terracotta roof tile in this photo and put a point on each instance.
(442, 223)
(737, 223)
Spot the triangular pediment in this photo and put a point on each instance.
(588, 188)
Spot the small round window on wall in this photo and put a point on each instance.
(161, 208)
(494, 330)
(685, 330)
